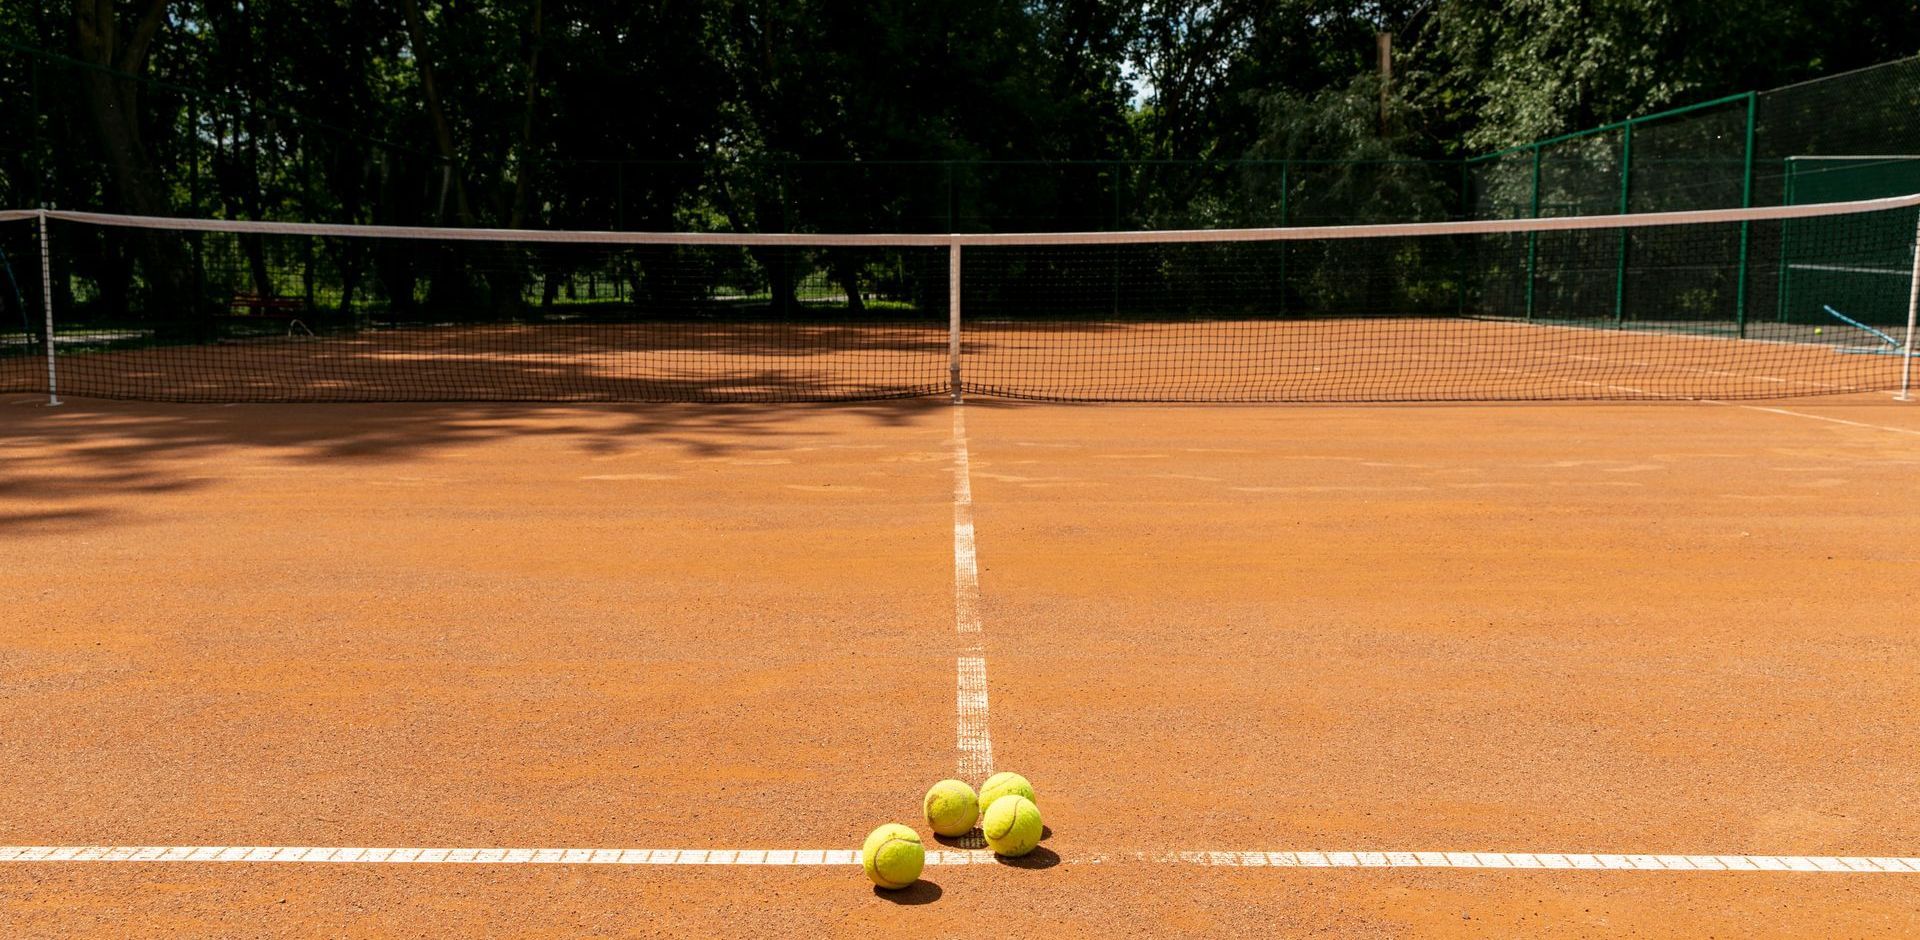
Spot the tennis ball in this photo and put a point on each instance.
(1004, 784)
(893, 856)
(1819, 330)
(1012, 826)
(951, 808)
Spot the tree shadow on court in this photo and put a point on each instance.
(87, 462)
(920, 892)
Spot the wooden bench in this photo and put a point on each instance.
(262, 305)
(251, 312)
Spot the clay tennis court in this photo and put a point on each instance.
(1663, 650)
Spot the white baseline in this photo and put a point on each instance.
(1511, 861)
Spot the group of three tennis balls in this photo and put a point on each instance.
(1005, 808)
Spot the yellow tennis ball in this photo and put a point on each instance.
(951, 808)
(1819, 330)
(893, 856)
(1012, 826)
(1005, 784)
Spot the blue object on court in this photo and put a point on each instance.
(1843, 318)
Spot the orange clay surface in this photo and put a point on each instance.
(1660, 628)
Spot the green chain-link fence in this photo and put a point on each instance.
(1845, 137)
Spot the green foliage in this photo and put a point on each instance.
(1495, 73)
(922, 115)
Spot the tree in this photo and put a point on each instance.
(1500, 72)
(118, 54)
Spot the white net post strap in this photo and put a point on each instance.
(1913, 308)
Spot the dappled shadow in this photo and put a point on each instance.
(521, 362)
(84, 462)
(50, 521)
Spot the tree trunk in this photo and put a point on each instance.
(442, 131)
(112, 95)
(846, 270)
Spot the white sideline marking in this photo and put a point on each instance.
(1849, 269)
(975, 747)
(1802, 414)
(1548, 861)
(1642, 364)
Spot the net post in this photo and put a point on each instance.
(953, 320)
(1913, 307)
(46, 303)
(1746, 201)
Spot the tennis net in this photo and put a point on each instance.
(1655, 305)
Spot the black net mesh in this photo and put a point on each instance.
(1603, 307)
(211, 316)
(1409, 318)
(22, 355)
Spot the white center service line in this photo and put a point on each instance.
(975, 747)
(1539, 861)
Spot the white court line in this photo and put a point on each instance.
(1553, 861)
(966, 569)
(1802, 414)
(974, 745)
(1716, 401)
(1849, 269)
(1547, 861)
(976, 750)
(1642, 364)
(452, 856)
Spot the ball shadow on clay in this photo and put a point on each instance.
(920, 892)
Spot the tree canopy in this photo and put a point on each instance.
(801, 114)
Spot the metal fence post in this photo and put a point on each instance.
(1286, 188)
(1783, 292)
(1746, 200)
(1626, 186)
(1533, 238)
(1466, 208)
